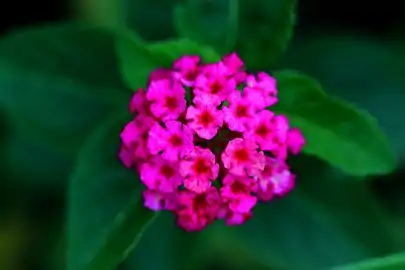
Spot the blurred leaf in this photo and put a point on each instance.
(326, 221)
(265, 30)
(108, 13)
(170, 50)
(337, 132)
(166, 246)
(214, 23)
(136, 62)
(54, 92)
(391, 262)
(136, 69)
(360, 69)
(106, 217)
(152, 19)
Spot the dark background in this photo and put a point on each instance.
(328, 31)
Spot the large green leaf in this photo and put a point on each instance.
(135, 71)
(166, 246)
(391, 262)
(360, 69)
(152, 19)
(209, 22)
(258, 30)
(106, 217)
(56, 84)
(336, 131)
(170, 50)
(322, 223)
(136, 61)
(265, 31)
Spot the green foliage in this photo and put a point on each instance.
(106, 216)
(135, 69)
(57, 83)
(258, 30)
(366, 72)
(136, 61)
(176, 249)
(391, 262)
(209, 22)
(63, 89)
(152, 19)
(325, 222)
(337, 132)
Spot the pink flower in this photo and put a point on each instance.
(188, 69)
(125, 156)
(239, 113)
(173, 142)
(261, 130)
(235, 66)
(175, 147)
(161, 175)
(241, 157)
(275, 179)
(233, 63)
(198, 169)
(215, 83)
(237, 191)
(160, 74)
(295, 140)
(205, 119)
(261, 92)
(167, 100)
(138, 103)
(156, 201)
(134, 137)
(234, 218)
(196, 211)
(279, 140)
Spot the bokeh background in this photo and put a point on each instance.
(356, 49)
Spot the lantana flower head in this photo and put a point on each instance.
(206, 144)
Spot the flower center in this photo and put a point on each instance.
(171, 102)
(241, 111)
(191, 74)
(215, 87)
(200, 202)
(238, 187)
(262, 130)
(241, 155)
(205, 118)
(176, 140)
(201, 166)
(167, 171)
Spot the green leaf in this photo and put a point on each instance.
(170, 50)
(152, 19)
(106, 217)
(54, 92)
(135, 69)
(259, 31)
(345, 62)
(214, 23)
(321, 224)
(391, 262)
(265, 30)
(176, 249)
(337, 132)
(136, 61)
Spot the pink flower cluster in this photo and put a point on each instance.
(205, 144)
